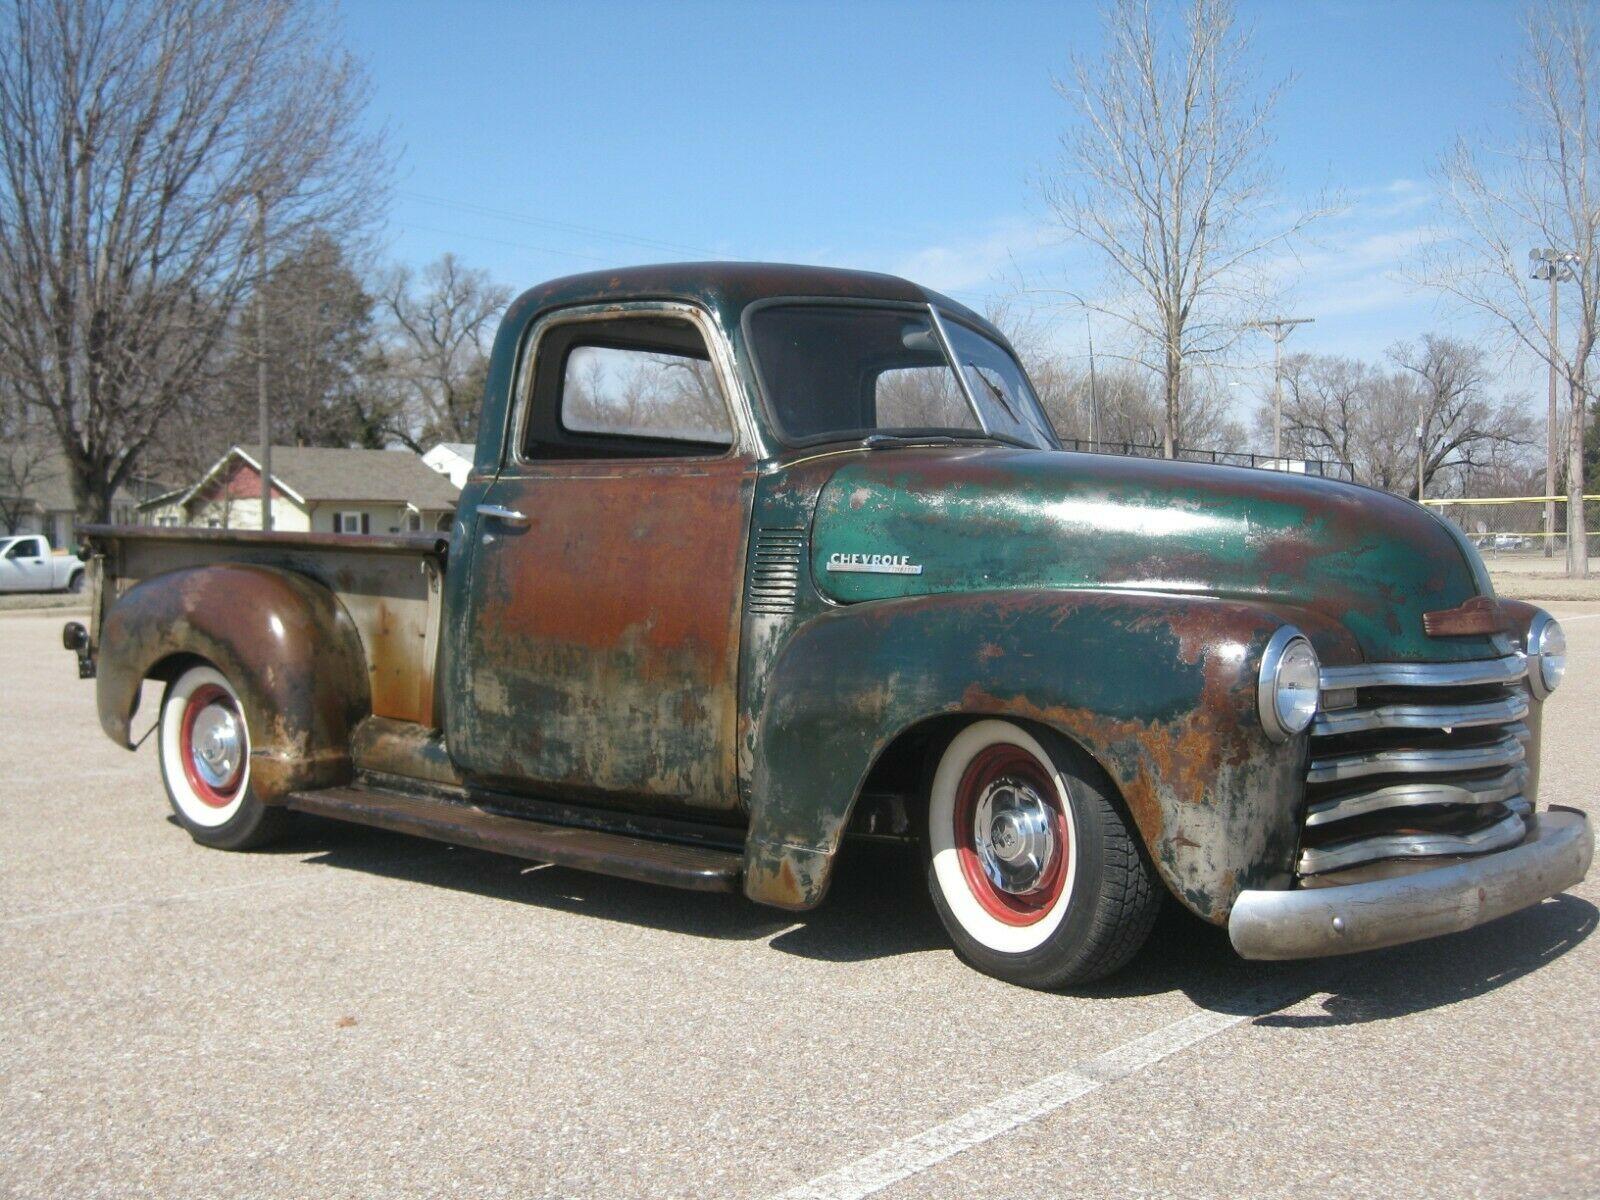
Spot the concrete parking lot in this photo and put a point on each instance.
(357, 1014)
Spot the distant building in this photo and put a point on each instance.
(42, 501)
(453, 459)
(315, 489)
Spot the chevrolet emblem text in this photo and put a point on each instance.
(874, 564)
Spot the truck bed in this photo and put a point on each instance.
(391, 585)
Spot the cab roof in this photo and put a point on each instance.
(728, 288)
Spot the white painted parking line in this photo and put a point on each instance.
(913, 1155)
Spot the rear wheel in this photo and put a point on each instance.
(205, 763)
(1037, 876)
(77, 583)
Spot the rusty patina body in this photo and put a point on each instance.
(660, 647)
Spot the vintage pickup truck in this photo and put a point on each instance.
(753, 559)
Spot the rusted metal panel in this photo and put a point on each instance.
(1159, 690)
(388, 586)
(359, 543)
(1477, 617)
(402, 749)
(598, 647)
(284, 642)
(992, 517)
(696, 868)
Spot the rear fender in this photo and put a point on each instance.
(284, 641)
(1160, 690)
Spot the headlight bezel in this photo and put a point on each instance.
(1288, 655)
(1545, 659)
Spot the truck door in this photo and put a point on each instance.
(600, 653)
(26, 566)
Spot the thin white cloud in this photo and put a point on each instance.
(979, 262)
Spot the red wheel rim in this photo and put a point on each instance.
(199, 700)
(1005, 763)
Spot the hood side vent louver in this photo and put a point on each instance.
(775, 569)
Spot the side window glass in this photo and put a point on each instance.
(639, 385)
(18, 550)
(628, 392)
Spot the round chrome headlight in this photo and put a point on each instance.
(1547, 655)
(1291, 684)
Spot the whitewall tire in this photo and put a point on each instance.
(205, 762)
(1033, 869)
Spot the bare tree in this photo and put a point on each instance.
(441, 332)
(1540, 191)
(138, 141)
(24, 456)
(1461, 425)
(322, 359)
(1349, 410)
(1327, 409)
(1165, 175)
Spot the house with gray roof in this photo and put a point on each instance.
(315, 489)
(36, 496)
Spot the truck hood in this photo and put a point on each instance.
(924, 520)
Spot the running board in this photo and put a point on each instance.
(697, 868)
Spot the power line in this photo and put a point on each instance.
(478, 237)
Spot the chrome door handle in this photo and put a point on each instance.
(509, 515)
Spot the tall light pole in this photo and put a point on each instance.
(1094, 389)
(1280, 328)
(1557, 267)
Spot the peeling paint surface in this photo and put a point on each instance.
(1159, 690)
(605, 654)
(598, 650)
(284, 642)
(985, 517)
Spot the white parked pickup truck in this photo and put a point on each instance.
(27, 564)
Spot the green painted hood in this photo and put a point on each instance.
(983, 518)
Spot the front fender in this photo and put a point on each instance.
(285, 643)
(1160, 690)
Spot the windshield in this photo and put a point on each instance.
(834, 371)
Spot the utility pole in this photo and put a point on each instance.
(264, 413)
(1094, 390)
(1422, 450)
(1555, 266)
(1280, 328)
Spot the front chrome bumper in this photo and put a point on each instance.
(1316, 922)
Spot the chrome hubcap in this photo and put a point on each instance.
(217, 745)
(1014, 836)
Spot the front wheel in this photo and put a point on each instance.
(1037, 876)
(205, 763)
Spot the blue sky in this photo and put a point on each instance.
(537, 140)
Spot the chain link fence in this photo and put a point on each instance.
(1327, 468)
(1512, 526)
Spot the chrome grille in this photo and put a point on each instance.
(1416, 760)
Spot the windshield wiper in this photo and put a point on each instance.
(893, 441)
(1005, 401)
